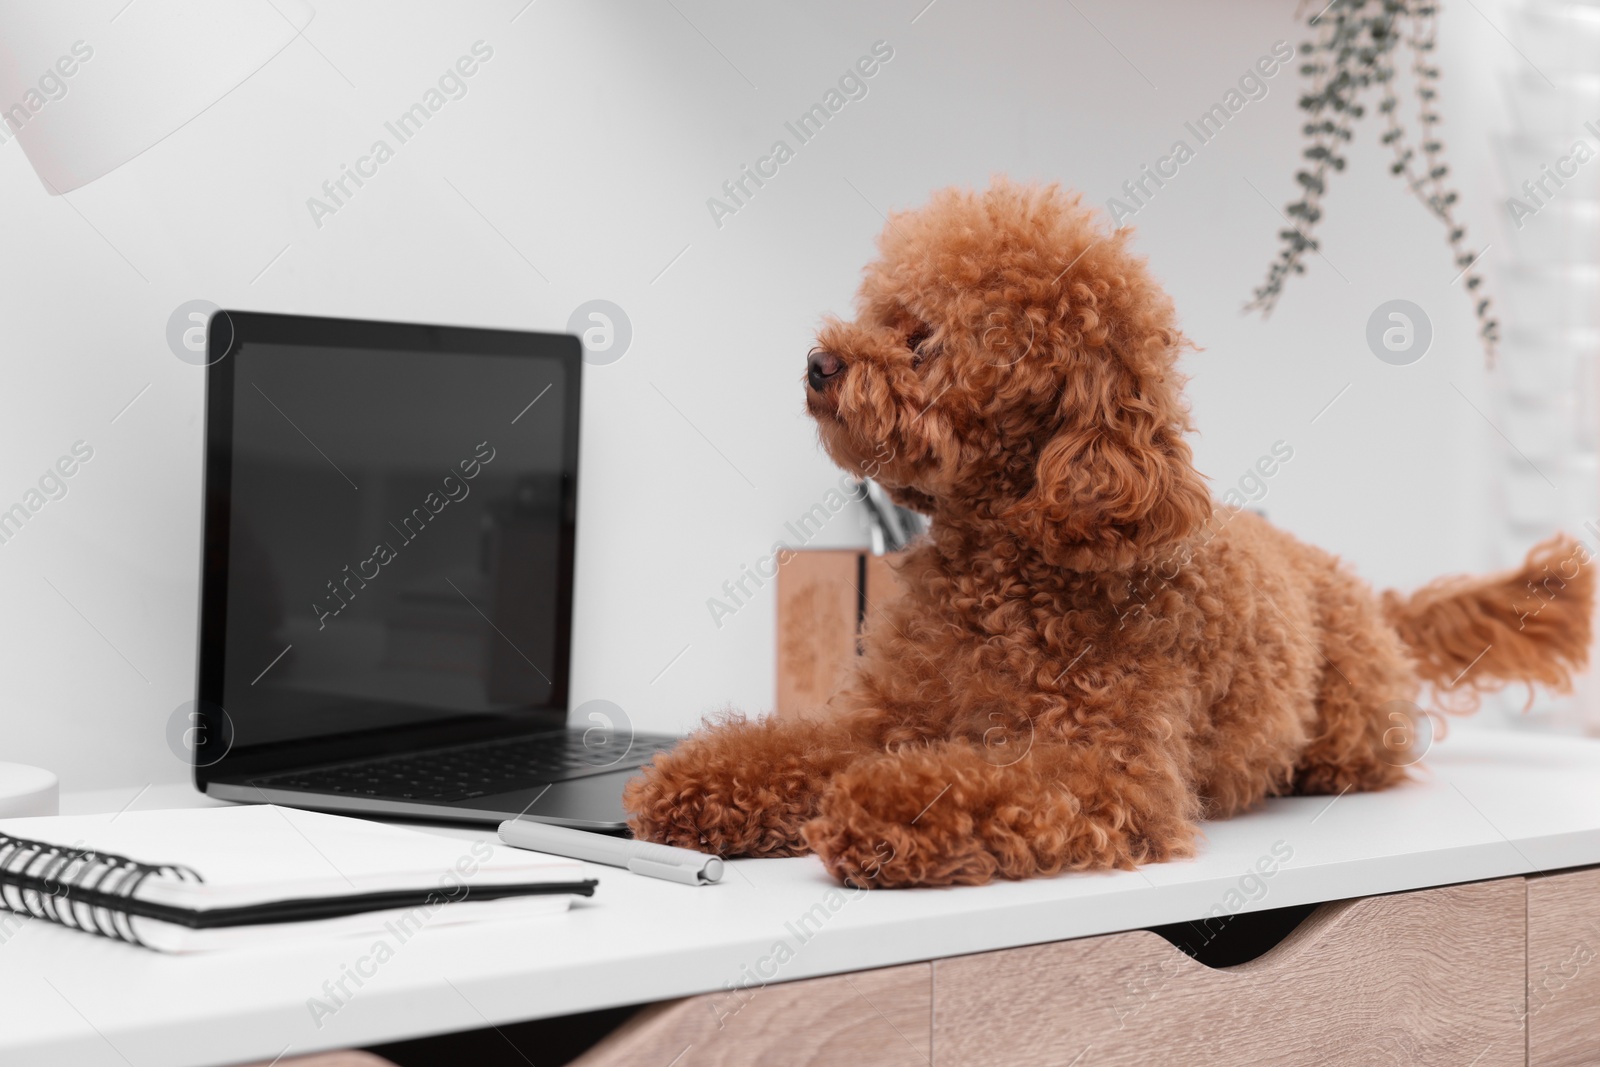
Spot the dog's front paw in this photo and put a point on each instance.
(722, 792)
(880, 825)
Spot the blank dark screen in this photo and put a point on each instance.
(395, 538)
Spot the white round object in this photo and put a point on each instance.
(85, 96)
(26, 791)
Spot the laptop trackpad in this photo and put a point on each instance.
(593, 803)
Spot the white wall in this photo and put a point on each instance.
(592, 141)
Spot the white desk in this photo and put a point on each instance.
(1489, 805)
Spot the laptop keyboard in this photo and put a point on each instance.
(475, 770)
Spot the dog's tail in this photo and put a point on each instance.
(1477, 635)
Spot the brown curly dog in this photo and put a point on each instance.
(1091, 654)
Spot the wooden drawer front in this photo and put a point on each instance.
(1432, 977)
(879, 1017)
(1564, 969)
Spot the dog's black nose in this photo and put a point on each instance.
(821, 368)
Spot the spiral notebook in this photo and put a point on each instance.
(200, 879)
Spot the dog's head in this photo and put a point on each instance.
(1013, 364)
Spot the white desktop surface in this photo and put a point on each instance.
(1487, 805)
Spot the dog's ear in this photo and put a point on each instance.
(1117, 484)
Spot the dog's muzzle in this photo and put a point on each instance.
(821, 368)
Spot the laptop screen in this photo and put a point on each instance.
(397, 521)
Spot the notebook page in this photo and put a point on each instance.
(257, 853)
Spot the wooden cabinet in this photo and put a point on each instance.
(881, 1017)
(1431, 977)
(1486, 974)
(1436, 976)
(1564, 969)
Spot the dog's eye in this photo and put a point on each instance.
(916, 340)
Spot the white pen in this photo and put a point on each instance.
(640, 857)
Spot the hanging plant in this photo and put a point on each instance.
(1354, 49)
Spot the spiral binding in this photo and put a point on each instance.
(76, 887)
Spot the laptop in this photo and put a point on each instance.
(386, 583)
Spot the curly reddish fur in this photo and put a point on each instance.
(1529, 625)
(1090, 656)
